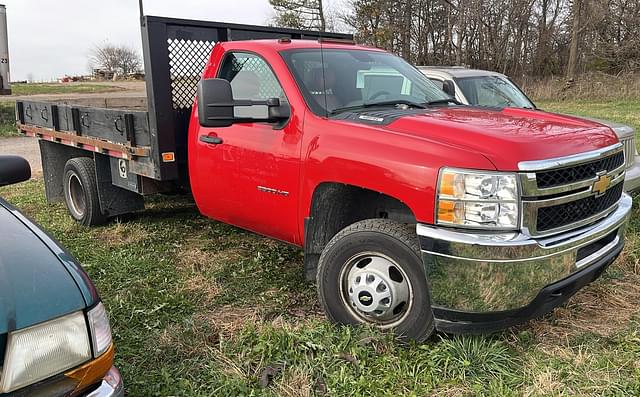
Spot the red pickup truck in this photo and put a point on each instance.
(415, 213)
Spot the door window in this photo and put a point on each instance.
(493, 91)
(251, 78)
(437, 82)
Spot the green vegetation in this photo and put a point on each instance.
(66, 88)
(7, 120)
(199, 308)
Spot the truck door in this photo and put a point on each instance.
(253, 174)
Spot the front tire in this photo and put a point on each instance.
(371, 272)
(81, 191)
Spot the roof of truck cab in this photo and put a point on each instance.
(459, 72)
(293, 44)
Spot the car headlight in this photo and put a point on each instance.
(477, 199)
(100, 329)
(44, 350)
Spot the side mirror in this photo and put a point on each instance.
(449, 88)
(215, 103)
(13, 169)
(217, 108)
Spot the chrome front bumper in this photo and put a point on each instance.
(111, 385)
(484, 273)
(632, 178)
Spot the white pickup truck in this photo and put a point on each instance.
(485, 88)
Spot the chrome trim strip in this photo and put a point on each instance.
(593, 257)
(530, 211)
(629, 143)
(530, 186)
(567, 161)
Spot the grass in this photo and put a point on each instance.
(590, 85)
(7, 120)
(199, 308)
(622, 111)
(64, 88)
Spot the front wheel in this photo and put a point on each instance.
(371, 272)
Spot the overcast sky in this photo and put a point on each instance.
(49, 39)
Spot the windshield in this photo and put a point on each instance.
(335, 79)
(493, 91)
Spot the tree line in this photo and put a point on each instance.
(516, 37)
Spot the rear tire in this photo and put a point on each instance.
(81, 191)
(372, 272)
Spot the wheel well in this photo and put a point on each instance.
(54, 157)
(335, 206)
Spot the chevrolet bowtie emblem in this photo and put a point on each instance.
(601, 185)
(365, 298)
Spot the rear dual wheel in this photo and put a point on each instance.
(81, 191)
(371, 272)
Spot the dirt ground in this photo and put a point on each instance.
(130, 89)
(28, 147)
(25, 147)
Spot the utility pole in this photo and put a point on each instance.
(5, 80)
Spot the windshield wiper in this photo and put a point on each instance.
(444, 102)
(382, 103)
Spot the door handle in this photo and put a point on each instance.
(211, 140)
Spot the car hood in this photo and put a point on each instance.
(39, 281)
(506, 136)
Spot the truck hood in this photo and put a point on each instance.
(506, 136)
(621, 130)
(35, 284)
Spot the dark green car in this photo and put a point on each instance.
(55, 338)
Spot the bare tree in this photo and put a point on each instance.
(572, 63)
(120, 59)
(516, 37)
(299, 14)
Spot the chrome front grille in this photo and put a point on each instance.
(580, 172)
(629, 149)
(565, 193)
(559, 215)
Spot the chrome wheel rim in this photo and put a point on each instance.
(77, 202)
(376, 289)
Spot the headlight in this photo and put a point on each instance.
(477, 199)
(46, 349)
(100, 329)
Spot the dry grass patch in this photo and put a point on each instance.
(581, 373)
(452, 391)
(202, 333)
(196, 264)
(228, 320)
(295, 384)
(591, 85)
(121, 234)
(545, 383)
(192, 257)
(629, 260)
(205, 288)
(603, 309)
